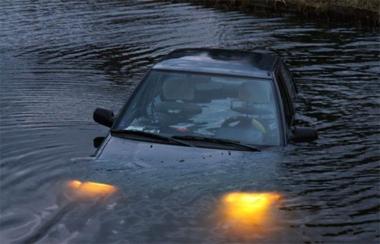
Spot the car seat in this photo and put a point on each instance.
(177, 101)
(253, 98)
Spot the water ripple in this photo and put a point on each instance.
(61, 59)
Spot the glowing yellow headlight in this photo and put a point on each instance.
(88, 189)
(251, 207)
(248, 214)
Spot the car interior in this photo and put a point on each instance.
(235, 108)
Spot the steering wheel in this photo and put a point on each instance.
(245, 122)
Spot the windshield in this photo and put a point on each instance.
(214, 106)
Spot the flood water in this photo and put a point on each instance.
(59, 60)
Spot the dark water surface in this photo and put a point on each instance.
(61, 59)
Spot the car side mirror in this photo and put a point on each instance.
(304, 134)
(104, 117)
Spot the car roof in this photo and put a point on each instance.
(220, 61)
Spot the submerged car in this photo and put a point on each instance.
(208, 98)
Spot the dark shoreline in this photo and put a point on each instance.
(318, 9)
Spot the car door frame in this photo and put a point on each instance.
(286, 101)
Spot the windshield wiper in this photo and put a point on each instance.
(150, 135)
(218, 141)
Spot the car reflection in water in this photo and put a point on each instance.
(248, 216)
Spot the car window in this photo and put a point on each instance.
(225, 107)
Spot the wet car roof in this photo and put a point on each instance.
(220, 61)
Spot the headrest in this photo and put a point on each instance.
(255, 92)
(177, 89)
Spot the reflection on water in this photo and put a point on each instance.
(59, 60)
(88, 196)
(249, 216)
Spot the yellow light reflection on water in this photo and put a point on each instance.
(88, 190)
(248, 215)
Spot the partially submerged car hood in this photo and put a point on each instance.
(166, 193)
(149, 154)
(121, 158)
